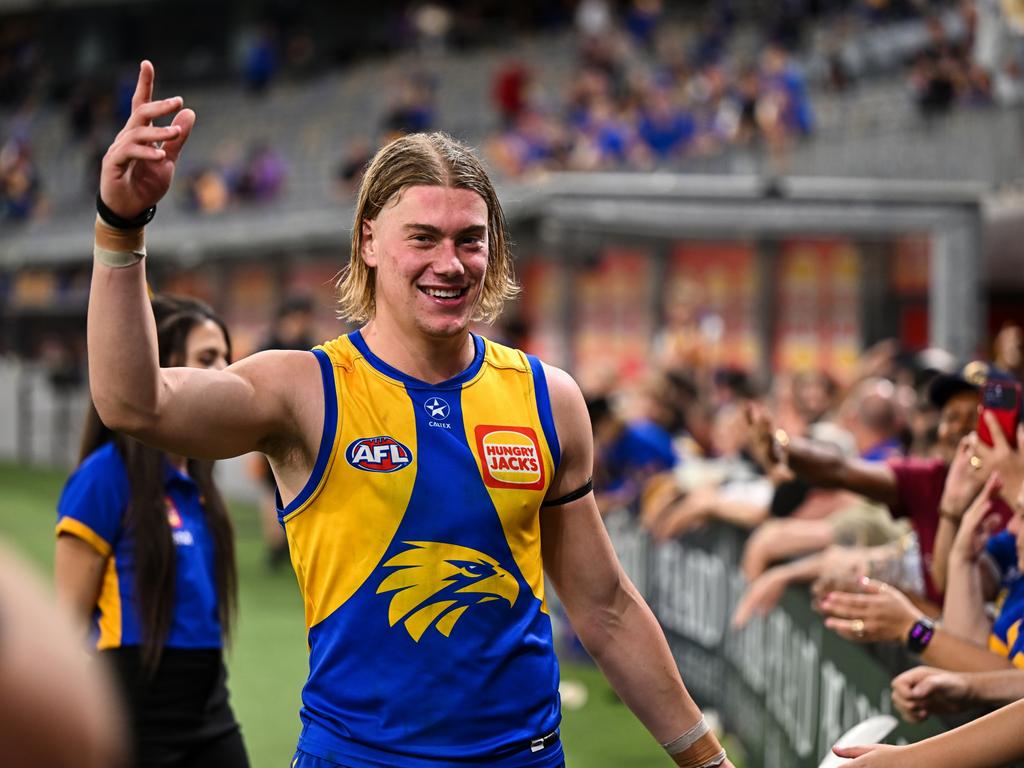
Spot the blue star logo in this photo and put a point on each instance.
(437, 408)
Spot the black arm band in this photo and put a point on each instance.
(579, 493)
(119, 222)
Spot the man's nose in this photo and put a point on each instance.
(447, 261)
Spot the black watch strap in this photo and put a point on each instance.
(920, 635)
(119, 222)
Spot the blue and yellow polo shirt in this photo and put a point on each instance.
(1006, 638)
(93, 506)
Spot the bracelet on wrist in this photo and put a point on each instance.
(120, 222)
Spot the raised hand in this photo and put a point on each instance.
(880, 613)
(138, 167)
(976, 526)
(966, 476)
(1003, 458)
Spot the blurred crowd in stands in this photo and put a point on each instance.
(887, 493)
(644, 94)
(648, 85)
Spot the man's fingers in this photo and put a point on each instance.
(149, 134)
(144, 86)
(122, 153)
(151, 110)
(846, 605)
(852, 629)
(184, 122)
(998, 438)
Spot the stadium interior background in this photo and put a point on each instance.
(767, 187)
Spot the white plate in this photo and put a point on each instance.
(870, 731)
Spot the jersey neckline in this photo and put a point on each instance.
(356, 337)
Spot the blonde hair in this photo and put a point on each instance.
(425, 159)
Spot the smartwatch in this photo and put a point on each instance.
(920, 635)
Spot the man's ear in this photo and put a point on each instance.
(369, 246)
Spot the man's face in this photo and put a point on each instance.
(429, 248)
(958, 418)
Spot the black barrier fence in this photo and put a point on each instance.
(785, 685)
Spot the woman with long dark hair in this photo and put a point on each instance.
(145, 549)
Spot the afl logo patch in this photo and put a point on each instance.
(510, 457)
(378, 454)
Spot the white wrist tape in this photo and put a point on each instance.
(118, 259)
(688, 739)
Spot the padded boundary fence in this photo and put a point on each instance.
(784, 685)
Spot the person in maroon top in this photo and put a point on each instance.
(911, 487)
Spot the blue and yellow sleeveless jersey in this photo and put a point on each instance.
(93, 506)
(416, 543)
(1006, 637)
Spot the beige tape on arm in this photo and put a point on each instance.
(118, 248)
(697, 748)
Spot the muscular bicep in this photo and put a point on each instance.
(575, 436)
(578, 555)
(260, 401)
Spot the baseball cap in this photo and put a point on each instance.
(969, 378)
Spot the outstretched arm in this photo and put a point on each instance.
(991, 741)
(201, 413)
(818, 463)
(607, 612)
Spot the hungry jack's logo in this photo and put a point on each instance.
(510, 457)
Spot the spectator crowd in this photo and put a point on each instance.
(896, 496)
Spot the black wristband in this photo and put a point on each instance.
(920, 635)
(119, 222)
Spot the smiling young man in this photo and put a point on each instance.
(428, 477)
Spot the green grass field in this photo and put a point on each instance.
(268, 660)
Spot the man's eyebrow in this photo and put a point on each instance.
(477, 230)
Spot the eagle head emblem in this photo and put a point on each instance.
(436, 583)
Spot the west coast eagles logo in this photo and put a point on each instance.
(436, 583)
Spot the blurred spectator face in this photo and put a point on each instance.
(730, 431)
(1009, 349)
(871, 413)
(958, 418)
(813, 392)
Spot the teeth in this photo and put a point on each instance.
(443, 294)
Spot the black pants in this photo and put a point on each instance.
(179, 716)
